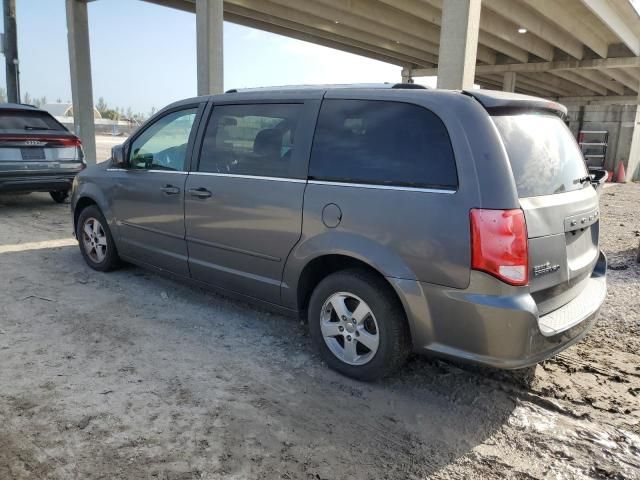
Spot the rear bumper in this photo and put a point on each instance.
(36, 183)
(493, 324)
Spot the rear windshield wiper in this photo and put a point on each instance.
(31, 127)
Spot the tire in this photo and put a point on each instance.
(99, 249)
(372, 310)
(60, 196)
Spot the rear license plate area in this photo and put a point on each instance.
(32, 153)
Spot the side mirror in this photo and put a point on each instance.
(598, 177)
(118, 157)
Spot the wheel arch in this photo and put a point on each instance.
(82, 203)
(322, 266)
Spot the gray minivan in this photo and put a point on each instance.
(457, 223)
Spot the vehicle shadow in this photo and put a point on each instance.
(26, 201)
(244, 379)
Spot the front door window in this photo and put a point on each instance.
(163, 146)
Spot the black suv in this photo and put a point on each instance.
(37, 153)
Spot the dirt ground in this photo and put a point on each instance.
(129, 375)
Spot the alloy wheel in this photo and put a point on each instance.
(349, 328)
(94, 240)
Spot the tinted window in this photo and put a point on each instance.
(544, 156)
(27, 120)
(163, 145)
(382, 143)
(251, 140)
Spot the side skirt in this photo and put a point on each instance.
(219, 290)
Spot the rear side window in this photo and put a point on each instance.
(28, 120)
(382, 143)
(257, 140)
(544, 156)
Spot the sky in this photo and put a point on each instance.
(144, 55)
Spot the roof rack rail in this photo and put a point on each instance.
(330, 86)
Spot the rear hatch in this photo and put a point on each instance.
(560, 205)
(32, 141)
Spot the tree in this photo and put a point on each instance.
(110, 114)
(27, 98)
(102, 106)
(3, 95)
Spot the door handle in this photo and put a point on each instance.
(170, 190)
(200, 192)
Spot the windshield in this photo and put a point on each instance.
(27, 120)
(544, 156)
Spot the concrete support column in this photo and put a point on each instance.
(81, 85)
(509, 82)
(458, 44)
(11, 51)
(633, 166)
(407, 77)
(209, 31)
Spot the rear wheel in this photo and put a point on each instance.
(358, 325)
(59, 196)
(96, 243)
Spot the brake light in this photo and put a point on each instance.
(67, 141)
(499, 244)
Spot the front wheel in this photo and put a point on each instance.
(358, 325)
(59, 196)
(96, 243)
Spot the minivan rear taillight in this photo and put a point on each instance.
(499, 244)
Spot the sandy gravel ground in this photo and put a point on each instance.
(104, 143)
(129, 375)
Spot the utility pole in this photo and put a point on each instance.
(10, 47)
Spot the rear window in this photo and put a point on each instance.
(544, 156)
(27, 120)
(382, 143)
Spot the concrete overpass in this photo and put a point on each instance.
(576, 51)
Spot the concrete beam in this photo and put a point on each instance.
(532, 88)
(601, 79)
(492, 82)
(458, 44)
(507, 31)
(433, 15)
(502, 46)
(269, 12)
(610, 17)
(580, 80)
(322, 38)
(209, 45)
(378, 18)
(623, 77)
(533, 67)
(509, 82)
(556, 13)
(182, 5)
(80, 71)
(599, 100)
(536, 24)
(553, 83)
(351, 16)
